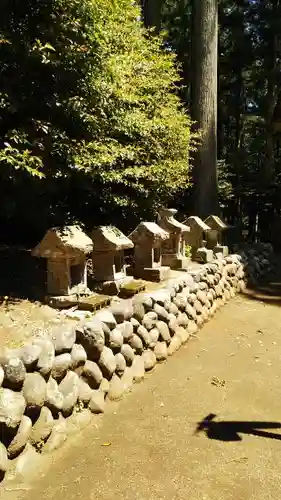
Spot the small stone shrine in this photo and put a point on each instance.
(196, 239)
(108, 257)
(215, 235)
(148, 238)
(65, 250)
(173, 249)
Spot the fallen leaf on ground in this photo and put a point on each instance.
(238, 460)
(217, 382)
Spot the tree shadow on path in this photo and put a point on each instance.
(268, 288)
(231, 430)
(267, 291)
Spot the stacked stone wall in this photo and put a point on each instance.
(57, 379)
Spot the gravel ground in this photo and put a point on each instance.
(22, 319)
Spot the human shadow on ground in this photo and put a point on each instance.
(231, 430)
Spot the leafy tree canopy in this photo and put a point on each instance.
(87, 103)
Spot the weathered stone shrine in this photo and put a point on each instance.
(173, 249)
(108, 256)
(66, 250)
(215, 235)
(148, 238)
(196, 238)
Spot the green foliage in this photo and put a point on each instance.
(88, 103)
(188, 251)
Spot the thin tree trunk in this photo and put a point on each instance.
(271, 97)
(271, 102)
(152, 14)
(204, 104)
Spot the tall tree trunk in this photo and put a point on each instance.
(204, 104)
(238, 157)
(152, 14)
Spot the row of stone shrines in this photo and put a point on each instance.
(157, 249)
(59, 376)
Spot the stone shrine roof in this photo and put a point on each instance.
(64, 242)
(214, 222)
(148, 231)
(195, 222)
(169, 223)
(110, 238)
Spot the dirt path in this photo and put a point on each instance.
(233, 370)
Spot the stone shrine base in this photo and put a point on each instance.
(92, 302)
(222, 250)
(155, 274)
(174, 262)
(122, 287)
(204, 255)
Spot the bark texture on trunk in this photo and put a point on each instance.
(204, 104)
